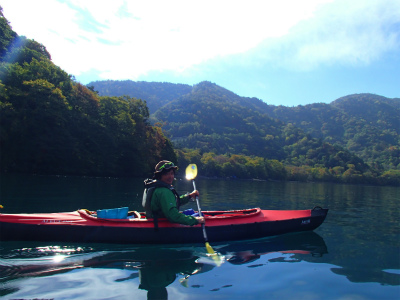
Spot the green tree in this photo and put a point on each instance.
(7, 35)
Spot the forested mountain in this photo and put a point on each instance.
(214, 120)
(365, 124)
(156, 94)
(50, 124)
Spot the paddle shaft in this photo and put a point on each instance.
(203, 226)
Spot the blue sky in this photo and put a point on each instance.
(285, 52)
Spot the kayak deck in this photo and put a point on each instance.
(134, 216)
(83, 216)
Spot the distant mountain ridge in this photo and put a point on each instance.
(156, 94)
(207, 116)
(213, 118)
(365, 124)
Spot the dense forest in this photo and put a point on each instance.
(156, 94)
(233, 136)
(365, 124)
(52, 124)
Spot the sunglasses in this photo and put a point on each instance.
(167, 165)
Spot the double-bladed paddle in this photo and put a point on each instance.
(191, 173)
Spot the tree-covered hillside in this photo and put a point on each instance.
(213, 119)
(156, 94)
(218, 123)
(365, 124)
(50, 124)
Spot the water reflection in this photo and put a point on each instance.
(309, 244)
(156, 268)
(361, 232)
(150, 268)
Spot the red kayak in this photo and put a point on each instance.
(85, 226)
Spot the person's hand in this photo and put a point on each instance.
(194, 194)
(200, 219)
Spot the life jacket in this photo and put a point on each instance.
(149, 187)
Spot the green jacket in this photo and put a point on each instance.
(163, 201)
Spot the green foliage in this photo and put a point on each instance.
(50, 124)
(391, 177)
(6, 34)
(14, 48)
(214, 119)
(42, 131)
(253, 167)
(367, 125)
(315, 142)
(156, 94)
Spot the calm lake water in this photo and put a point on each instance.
(355, 254)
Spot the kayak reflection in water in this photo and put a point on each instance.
(156, 267)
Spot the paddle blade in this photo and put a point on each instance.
(191, 172)
(218, 260)
(210, 250)
(185, 281)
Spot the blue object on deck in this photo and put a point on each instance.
(113, 213)
(188, 212)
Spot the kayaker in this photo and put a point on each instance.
(164, 200)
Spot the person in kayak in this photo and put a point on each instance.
(161, 200)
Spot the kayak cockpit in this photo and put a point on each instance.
(134, 216)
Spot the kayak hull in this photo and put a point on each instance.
(81, 226)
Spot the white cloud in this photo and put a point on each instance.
(157, 35)
(126, 39)
(355, 32)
